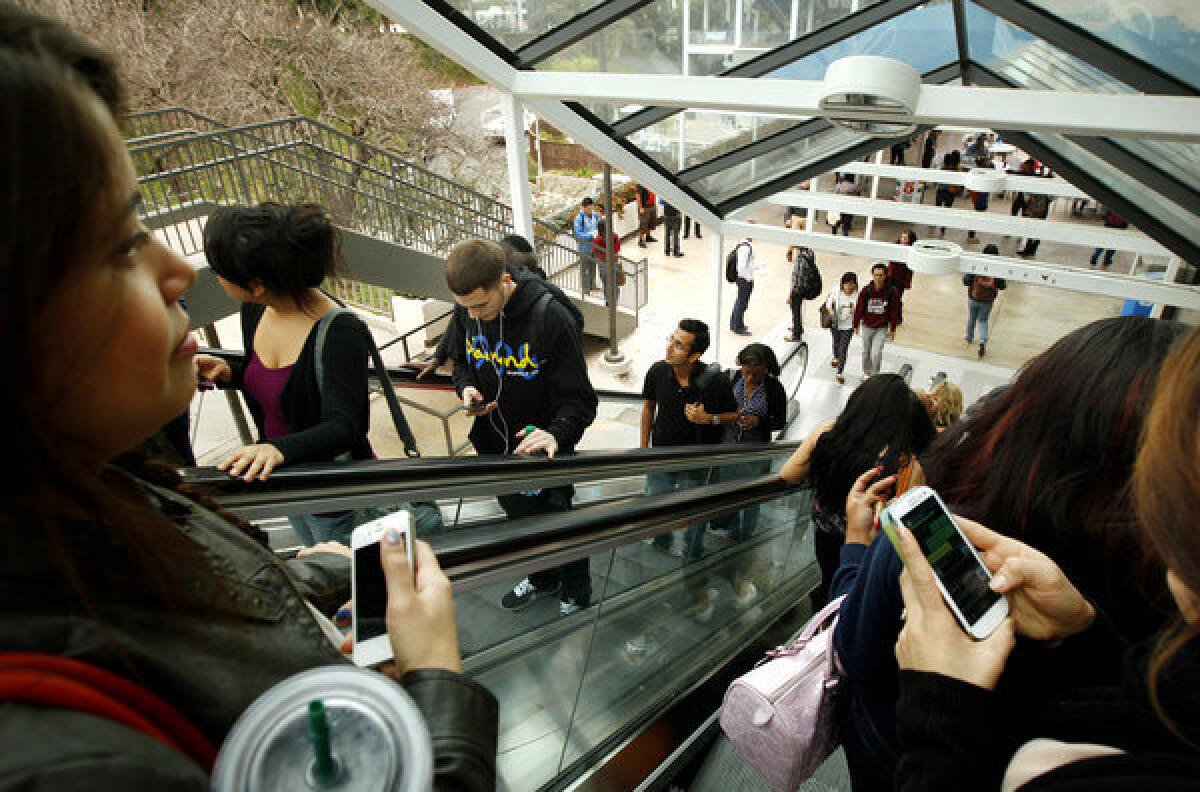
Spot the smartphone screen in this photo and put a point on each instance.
(370, 594)
(965, 579)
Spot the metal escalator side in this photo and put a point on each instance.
(579, 690)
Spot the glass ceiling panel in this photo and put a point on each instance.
(1164, 33)
(1027, 61)
(707, 135)
(652, 40)
(514, 23)
(924, 38)
(732, 182)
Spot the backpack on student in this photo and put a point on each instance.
(983, 288)
(1037, 206)
(731, 264)
(785, 716)
(810, 278)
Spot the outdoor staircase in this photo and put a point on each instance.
(398, 220)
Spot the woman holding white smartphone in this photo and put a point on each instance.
(1133, 720)
(112, 561)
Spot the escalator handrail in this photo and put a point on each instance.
(475, 557)
(348, 485)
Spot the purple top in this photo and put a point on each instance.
(265, 386)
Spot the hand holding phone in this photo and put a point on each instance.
(962, 578)
(368, 585)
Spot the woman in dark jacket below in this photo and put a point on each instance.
(109, 560)
(762, 411)
(273, 259)
(1069, 424)
(1119, 720)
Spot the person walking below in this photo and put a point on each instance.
(946, 193)
(672, 220)
(982, 291)
(876, 311)
(805, 285)
(584, 231)
(520, 373)
(745, 285)
(688, 222)
(845, 220)
(1111, 220)
(647, 216)
(840, 307)
(1036, 206)
(600, 250)
(899, 275)
(930, 150)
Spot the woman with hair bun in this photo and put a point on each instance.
(273, 259)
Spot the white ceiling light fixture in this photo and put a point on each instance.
(934, 257)
(871, 95)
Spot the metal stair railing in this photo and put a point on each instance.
(278, 160)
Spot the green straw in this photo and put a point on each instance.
(318, 734)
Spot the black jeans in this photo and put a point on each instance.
(671, 243)
(943, 198)
(797, 306)
(687, 228)
(576, 576)
(737, 322)
(828, 546)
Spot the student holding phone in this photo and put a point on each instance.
(1124, 717)
(107, 558)
(1047, 461)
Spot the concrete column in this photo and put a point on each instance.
(518, 164)
(718, 323)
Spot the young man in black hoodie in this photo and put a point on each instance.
(520, 371)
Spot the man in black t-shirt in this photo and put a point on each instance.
(686, 403)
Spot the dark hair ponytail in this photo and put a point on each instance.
(288, 249)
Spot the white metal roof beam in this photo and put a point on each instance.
(1035, 272)
(448, 39)
(968, 219)
(1107, 115)
(1033, 184)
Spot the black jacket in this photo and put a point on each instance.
(243, 628)
(955, 735)
(324, 429)
(536, 371)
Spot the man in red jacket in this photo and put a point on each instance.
(877, 310)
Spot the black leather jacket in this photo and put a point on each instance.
(210, 669)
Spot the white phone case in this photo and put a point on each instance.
(378, 649)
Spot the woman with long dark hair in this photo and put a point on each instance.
(883, 422)
(1116, 719)
(105, 558)
(1048, 461)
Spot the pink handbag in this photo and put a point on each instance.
(785, 716)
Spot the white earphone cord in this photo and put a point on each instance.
(499, 384)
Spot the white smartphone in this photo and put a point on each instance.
(960, 574)
(369, 589)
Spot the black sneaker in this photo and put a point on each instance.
(524, 593)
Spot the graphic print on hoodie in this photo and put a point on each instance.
(546, 387)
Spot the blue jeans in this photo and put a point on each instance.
(743, 524)
(978, 312)
(316, 528)
(737, 322)
(661, 483)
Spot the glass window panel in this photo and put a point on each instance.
(1181, 160)
(924, 38)
(711, 22)
(706, 65)
(648, 41)
(517, 22)
(766, 23)
(731, 182)
(1165, 33)
(707, 135)
(1026, 60)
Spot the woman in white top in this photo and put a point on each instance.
(840, 304)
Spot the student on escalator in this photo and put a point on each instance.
(273, 259)
(113, 561)
(520, 373)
